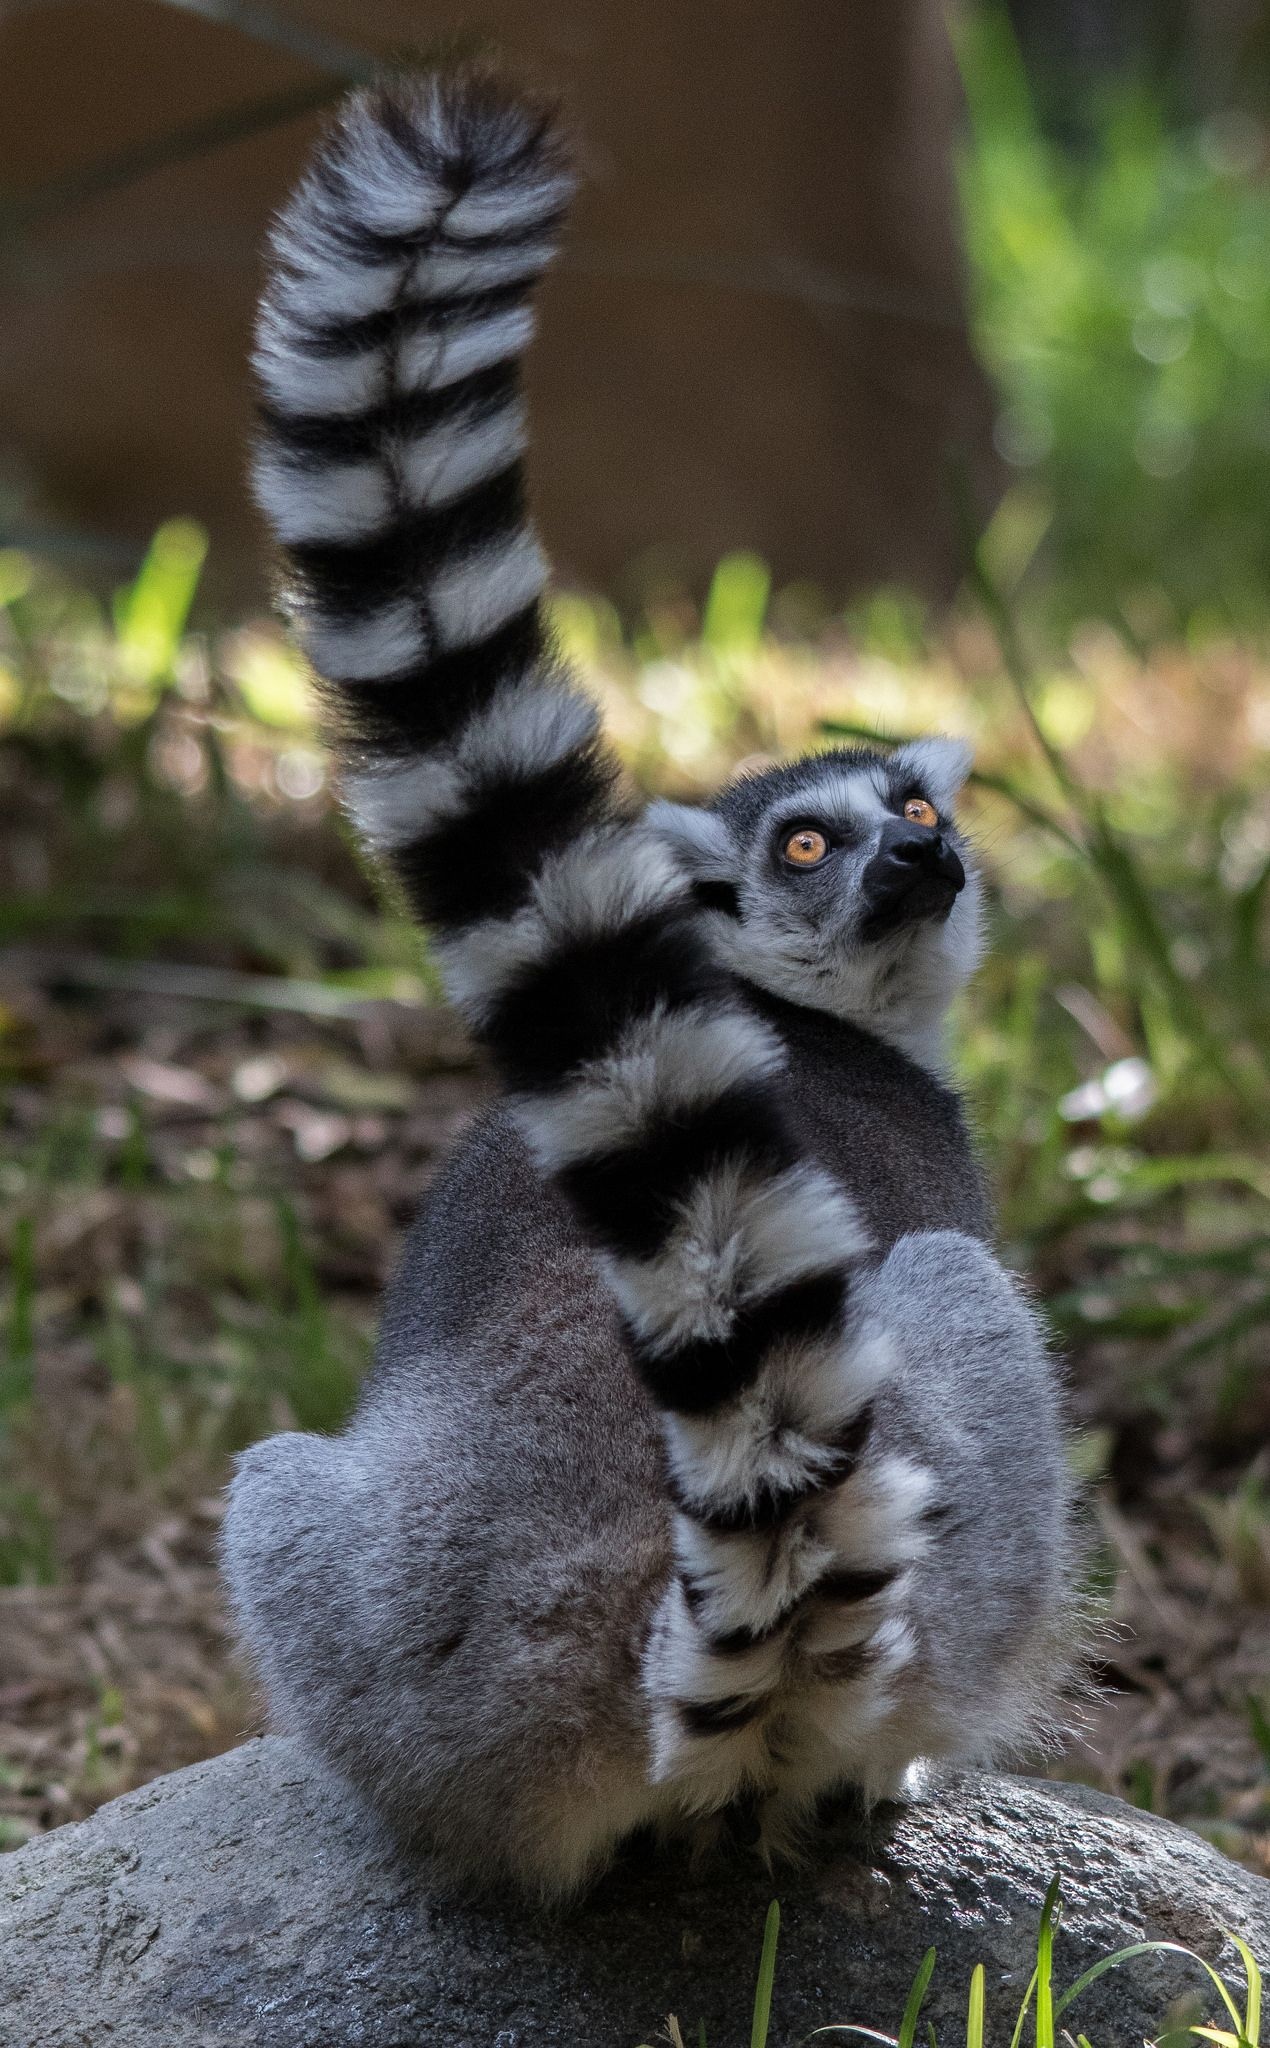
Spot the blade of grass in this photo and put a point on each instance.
(194, 983)
(17, 1367)
(1045, 1968)
(1251, 1315)
(766, 1978)
(1145, 1948)
(736, 605)
(916, 1999)
(1143, 933)
(1001, 618)
(1024, 2010)
(1259, 1722)
(1246, 924)
(151, 613)
(974, 2010)
(865, 2033)
(1252, 2006)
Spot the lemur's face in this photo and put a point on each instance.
(843, 883)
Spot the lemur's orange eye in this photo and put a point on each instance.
(806, 847)
(919, 812)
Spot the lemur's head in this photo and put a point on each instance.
(842, 882)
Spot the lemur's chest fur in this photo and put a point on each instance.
(887, 1130)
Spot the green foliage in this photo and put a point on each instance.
(1046, 2006)
(18, 1358)
(736, 607)
(1259, 1722)
(174, 773)
(27, 1549)
(150, 614)
(766, 1978)
(317, 1370)
(1041, 2001)
(1121, 299)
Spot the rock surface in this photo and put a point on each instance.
(249, 1903)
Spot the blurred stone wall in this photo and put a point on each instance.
(757, 340)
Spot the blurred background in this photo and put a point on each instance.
(908, 367)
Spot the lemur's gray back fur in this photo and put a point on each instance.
(668, 1488)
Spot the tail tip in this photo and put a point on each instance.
(460, 148)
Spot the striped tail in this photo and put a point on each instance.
(389, 465)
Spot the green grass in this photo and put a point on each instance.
(227, 1331)
(17, 1373)
(1120, 295)
(1043, 2006)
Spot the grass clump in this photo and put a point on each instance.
(1043, 2008)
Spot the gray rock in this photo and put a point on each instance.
(250, 1901)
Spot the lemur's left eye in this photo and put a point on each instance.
(919, 812)
(806, 848)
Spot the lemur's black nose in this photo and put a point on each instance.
(915, 875)
(921, 847)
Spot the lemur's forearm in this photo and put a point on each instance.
(390, 467)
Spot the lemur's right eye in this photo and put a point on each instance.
(919, 812)
(806, 848)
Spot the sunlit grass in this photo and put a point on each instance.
(1043, 2007)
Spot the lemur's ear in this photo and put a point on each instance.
(702, 847)
(940, 766)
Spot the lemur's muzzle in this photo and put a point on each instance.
(914, 875)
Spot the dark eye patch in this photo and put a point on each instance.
(717, 896)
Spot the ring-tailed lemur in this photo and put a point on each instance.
(710, 1460)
